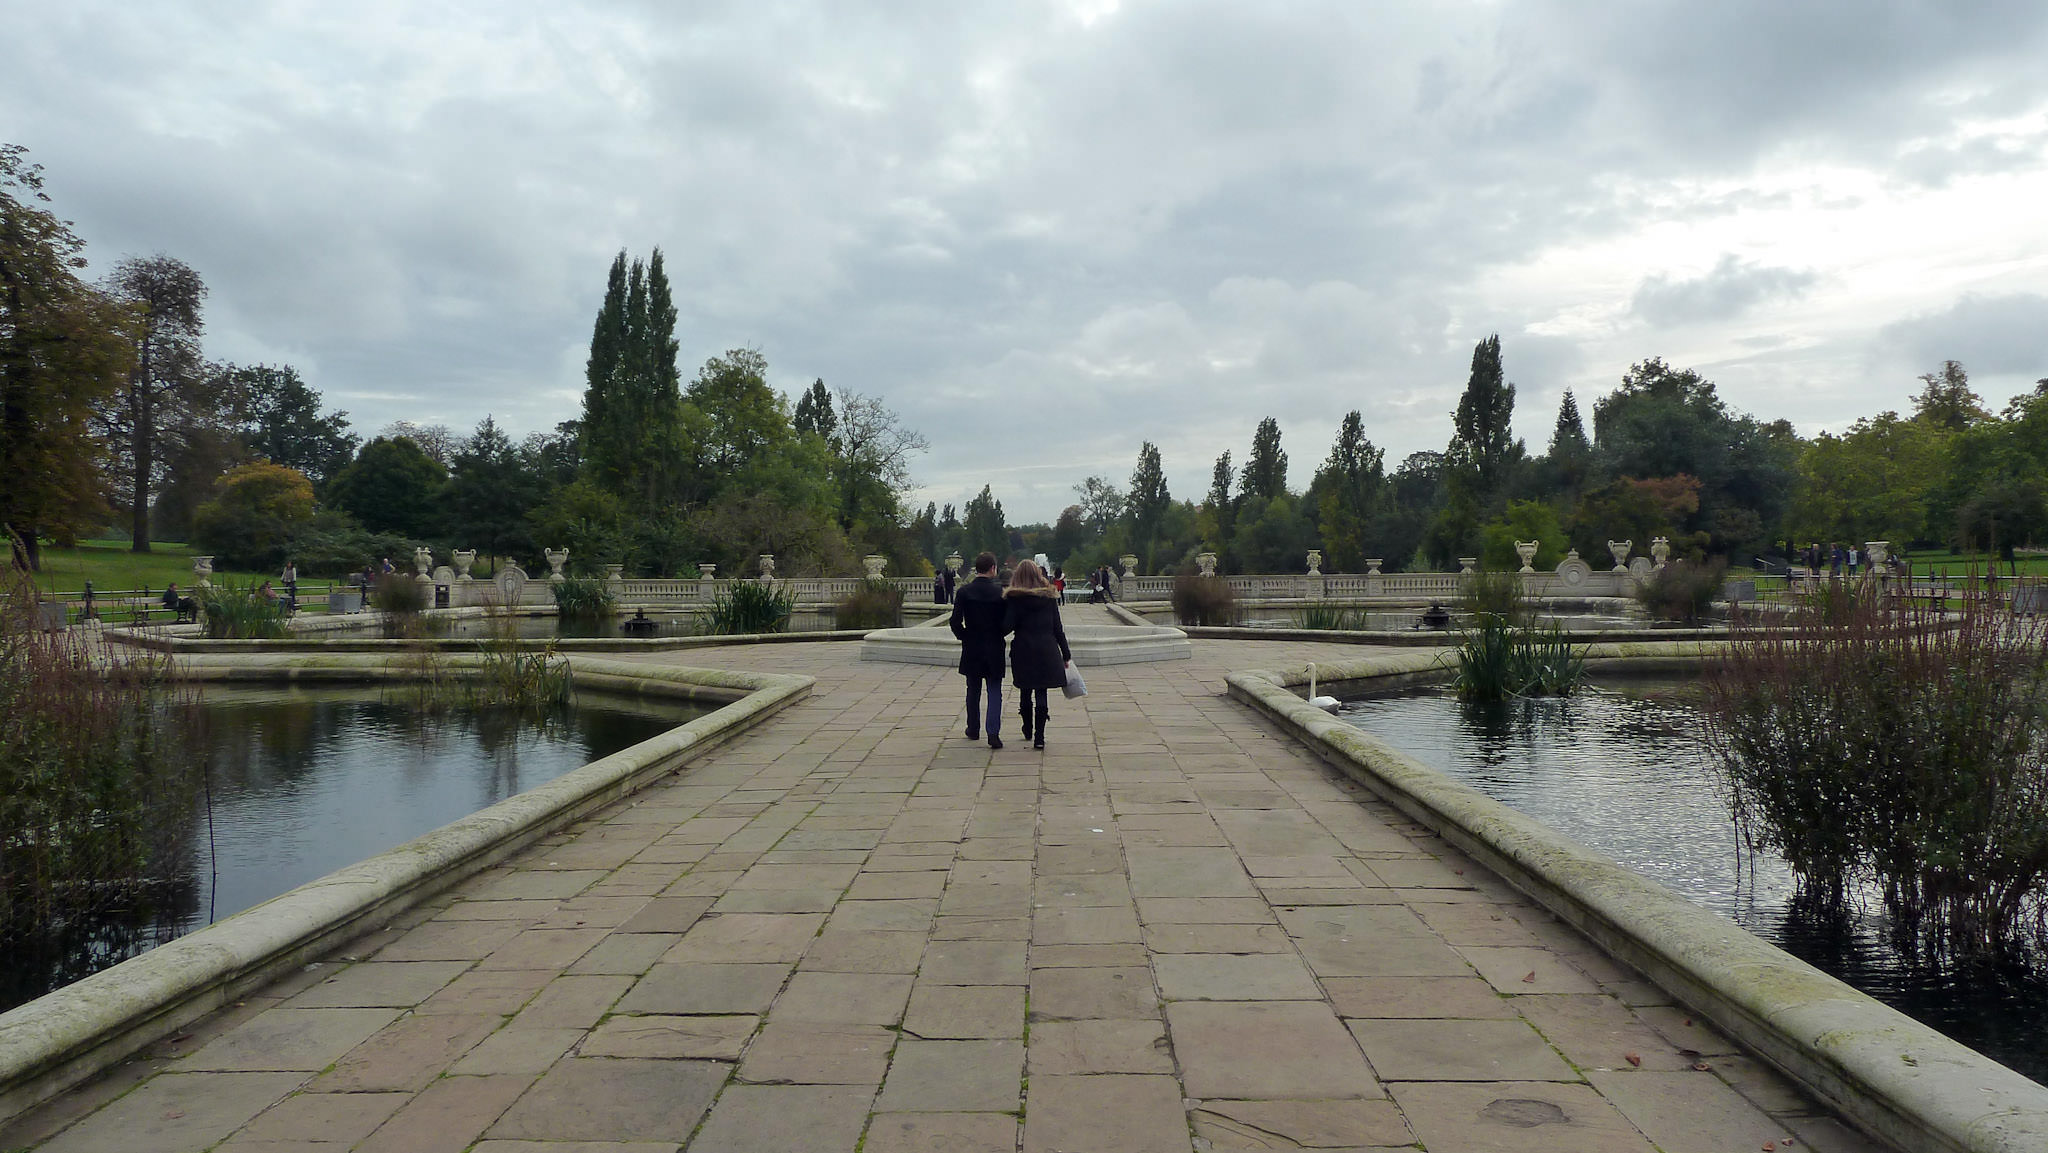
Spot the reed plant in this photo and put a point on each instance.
(101, 777)
(584, 599)
(876, 604)
(1903, 747)
(1203, 600)
(1498, 659)
(239, 610)
(1323, 616)
(746, 607)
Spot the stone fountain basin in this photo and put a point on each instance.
(933, 644)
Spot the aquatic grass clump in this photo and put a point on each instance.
(747, 607)
(584, 599)
(1203, 600)
(1902, 746)
(876, 604)
(507, 677)
(237, 610)
(1498, 660)
(1327, 617)
(100, 784)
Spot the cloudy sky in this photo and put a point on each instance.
(1047, 231)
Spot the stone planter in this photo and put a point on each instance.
(953, 562)
(1526, 549)
(706, 571)
(202, 571)
(1315, 562)
(464, 558)
(1619, 549)
(874, 563)
(768, 567)
(1660, 551)
(1468, 565)
(1129, 561)
(556, 558)
(1208, 562)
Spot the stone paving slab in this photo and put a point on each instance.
(1172, 929)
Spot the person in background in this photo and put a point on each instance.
(1059, 581)
(952, 583)
(1038, 647)
(290, 579)
(977, 622)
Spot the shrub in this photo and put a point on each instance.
(745, 607)
(876, 604)
(1200, 600)
(240, 611)
(251, 523)
(1901, 745)
(1498, 659)
(584, 599)
(1683, 590)
(1499, 594)
(398, 593)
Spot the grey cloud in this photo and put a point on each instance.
(2002, 335)
(1731, 289)
(1164, 225)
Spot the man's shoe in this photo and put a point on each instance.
(1039, 744)
(995, 742)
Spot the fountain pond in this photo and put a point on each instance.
(305, 781)
(1623, 769)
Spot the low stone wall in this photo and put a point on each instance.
(1883, 1071)
(67, 1036)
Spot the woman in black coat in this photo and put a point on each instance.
(1038, 649)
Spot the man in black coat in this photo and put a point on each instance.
(978, 623)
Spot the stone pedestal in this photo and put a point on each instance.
(874, 563)
(768, 567)
(1315, 562)
(706, 571)
(202, 571)
(1129, 561)
(1208, 562)
(1468, 565)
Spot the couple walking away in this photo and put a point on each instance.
(1029, 610)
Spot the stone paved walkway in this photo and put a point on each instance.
(1171, 930)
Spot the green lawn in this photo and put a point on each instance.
(1935, 561)
(110, 566)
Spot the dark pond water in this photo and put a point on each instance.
(305, 782)
(1621, 768)
(1398, 620)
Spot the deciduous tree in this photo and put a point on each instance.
(390, 487)
(168, 387)
(64, 349)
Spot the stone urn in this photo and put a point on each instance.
(953, 562)
(1468, 565)
(706, 571)
(1660, 551)
(1315, 562)
(1208, 562)
(1526, 549)
(556, 558)
(463, 558)
(1372, 565)
(768, 567)
(1129, 561)
(202, 571)
(422, 561)
(1876, 551)
(1619, 549)
(874, 562)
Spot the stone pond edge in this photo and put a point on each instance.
(59, 1040)
(1882, 1071)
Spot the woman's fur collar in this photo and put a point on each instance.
(1017, 592)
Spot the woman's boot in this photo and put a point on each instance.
(1024, 709)
(1038, 733)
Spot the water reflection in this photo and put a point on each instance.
(304, 782)
(1622, 769)
(550, 627)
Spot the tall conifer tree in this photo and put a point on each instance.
(1265, 471)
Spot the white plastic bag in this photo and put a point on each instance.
(1076, 687)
